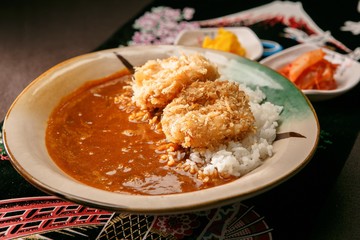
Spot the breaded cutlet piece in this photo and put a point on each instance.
(206, 114)
(158, 82)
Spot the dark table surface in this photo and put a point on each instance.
(320, 202)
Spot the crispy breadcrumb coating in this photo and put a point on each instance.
(157, 82)
(206, 114)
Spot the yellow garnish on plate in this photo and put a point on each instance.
(224, 41)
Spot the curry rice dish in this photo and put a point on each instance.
(174, 126)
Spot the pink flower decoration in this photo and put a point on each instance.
(161, 25)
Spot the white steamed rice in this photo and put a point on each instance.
(239, 158)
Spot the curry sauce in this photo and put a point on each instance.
(90, 137)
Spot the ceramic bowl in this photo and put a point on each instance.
(26, 122)
(347, 74)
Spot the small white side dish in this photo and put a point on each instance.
(347, 74)
(246, 37)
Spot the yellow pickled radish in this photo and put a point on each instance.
(224, 41)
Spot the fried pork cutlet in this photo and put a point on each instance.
(157, 82)
(206, 114)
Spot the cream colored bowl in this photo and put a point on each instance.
(26, 121)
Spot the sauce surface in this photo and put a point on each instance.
(90, 137)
